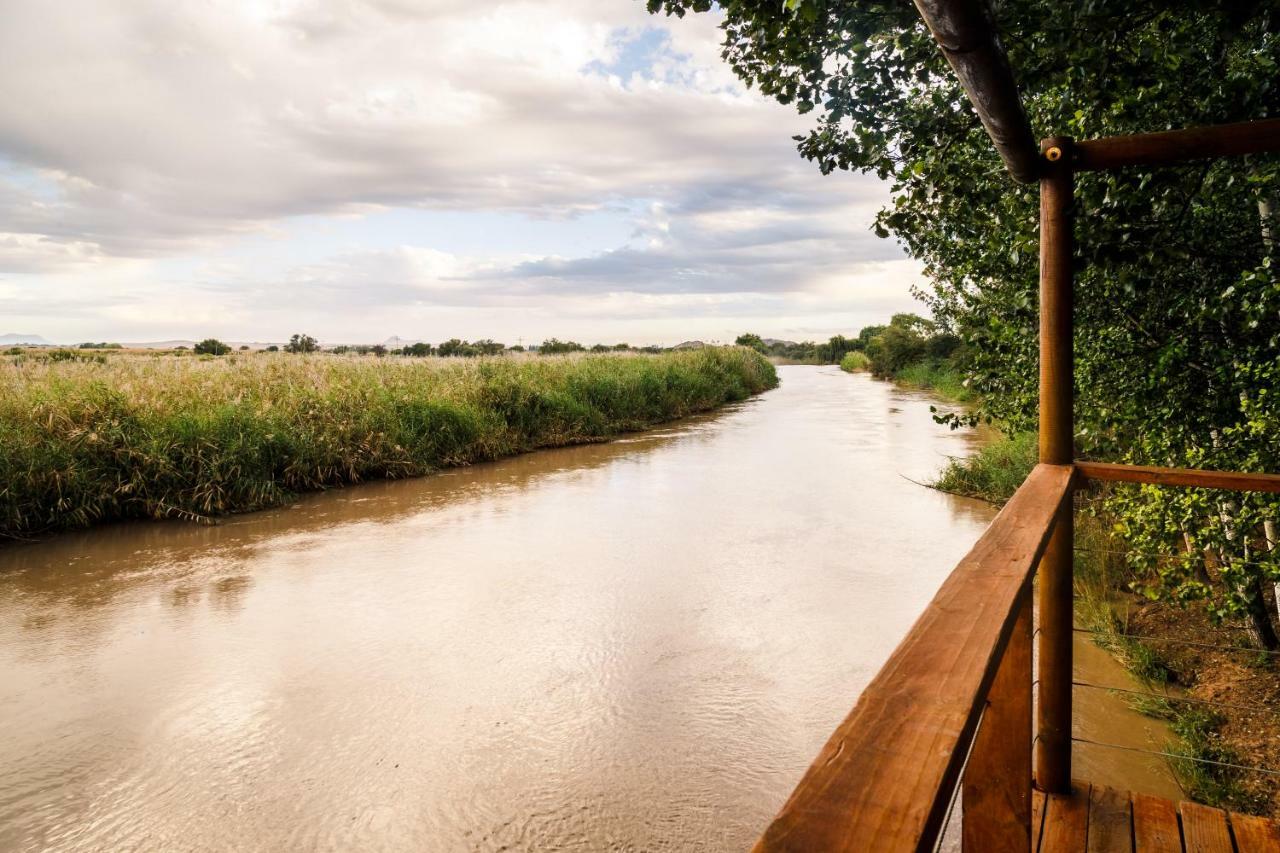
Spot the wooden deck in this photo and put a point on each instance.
(1097, 819)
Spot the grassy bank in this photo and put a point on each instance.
(1235, 728)
(938, 376)
(135, 436)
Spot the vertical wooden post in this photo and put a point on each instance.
(996, 794)
(1053, 758)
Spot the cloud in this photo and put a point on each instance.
(177, 130)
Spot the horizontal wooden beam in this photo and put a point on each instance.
(1193, 477)
(966, 34)
(1178, 146)
(886, 776)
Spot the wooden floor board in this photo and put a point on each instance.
(1155, 825)
(1066, 821)
(1098, 819)
(1255, 834)
(1110, 821)
(1204, 829)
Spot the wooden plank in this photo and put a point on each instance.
(1110, 821)
(1255, 834)
(967, 37)
(997, 779)
(1204, 829)
(1155, 825)
(1178, 146)
(1066, 821)
(885, 777)
(1037, 819)
(1193, 477)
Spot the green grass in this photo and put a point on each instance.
(138, 436)
(940, 377)
(995, 472)
(855, 362)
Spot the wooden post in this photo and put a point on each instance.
(1053, 758)
(997, 780)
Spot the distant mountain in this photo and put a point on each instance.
(397, 342)
(690, 345)
(24, 340)
(776, 342)
(159, 345)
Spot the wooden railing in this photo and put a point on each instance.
(887, 777)
(951, 711)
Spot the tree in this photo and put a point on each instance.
(211, 346)
(273, 348)
(751, 340)
(301, 344)
(1177, 295)
(453, 347)
(554, 346)
(418, 350)
(488, 347)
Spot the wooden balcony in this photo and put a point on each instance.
(947, 722)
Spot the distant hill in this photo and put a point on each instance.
(159, 345)
(24, 340)
(776, 342)
(690, 345)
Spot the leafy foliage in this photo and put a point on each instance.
(302, 344)
(1177, 298)
(211, 346)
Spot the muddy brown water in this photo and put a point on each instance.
(638, 645)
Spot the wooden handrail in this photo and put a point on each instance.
(1193, 477)
(884, 779)
(1170, 147)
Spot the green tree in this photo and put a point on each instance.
(752, 340)
(211, 346)
(554, 346)
(418, 350)
(1177, 297)
(301, 344)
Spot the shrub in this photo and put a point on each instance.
(211, 346)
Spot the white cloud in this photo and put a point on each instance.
(169, 132)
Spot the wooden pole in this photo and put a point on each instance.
(966, 34)
(1053, 758)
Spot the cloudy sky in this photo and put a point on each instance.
(357, 169)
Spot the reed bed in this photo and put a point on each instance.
(138, 436)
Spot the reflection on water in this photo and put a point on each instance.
(637, 645)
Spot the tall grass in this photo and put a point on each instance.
(154, 437)
(995, 472)
(855, 362)
(939, 376)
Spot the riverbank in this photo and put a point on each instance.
(940, 377)
(84, 441)
(1223, 697)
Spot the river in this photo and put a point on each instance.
(638, 645)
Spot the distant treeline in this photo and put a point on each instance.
(910, 349)
(452, 348)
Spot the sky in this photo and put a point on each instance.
(426, 169)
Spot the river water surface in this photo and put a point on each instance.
(638, 645)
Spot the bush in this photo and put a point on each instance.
(552, 346)
(855, 362)
(212, 346)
